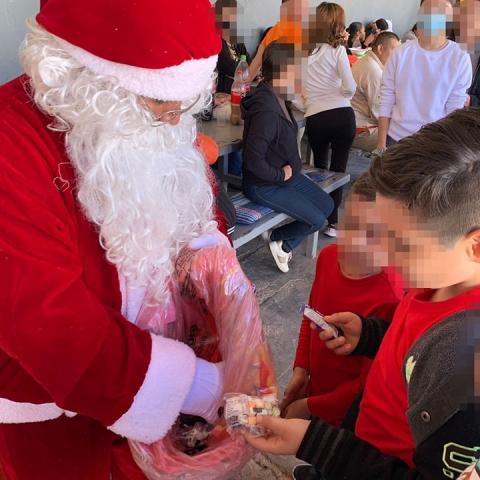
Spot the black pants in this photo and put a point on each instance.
(336, 129)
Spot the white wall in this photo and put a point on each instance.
(259, 14)
(263, 13)
(13, 14)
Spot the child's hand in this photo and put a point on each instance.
(284, 436)
(296, 388)
(351, 326)
(298, 409)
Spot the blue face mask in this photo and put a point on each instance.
(432, 24)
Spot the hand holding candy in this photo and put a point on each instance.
(243, 411)
(283, 437)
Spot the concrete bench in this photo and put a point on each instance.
(246, 233)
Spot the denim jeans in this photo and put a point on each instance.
(301, 199)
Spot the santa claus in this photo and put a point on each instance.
(101, 185)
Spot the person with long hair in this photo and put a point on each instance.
(272, 165)
(232, 48)
(329, 88)
(356, 35)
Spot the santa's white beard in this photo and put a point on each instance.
(149, 194)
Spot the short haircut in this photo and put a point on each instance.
(382, 24)
(384, 38)
(364, 188)
(275, 57)
(330, 25)
(435, 173)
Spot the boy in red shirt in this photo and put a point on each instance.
(349, 277)
(420, 413)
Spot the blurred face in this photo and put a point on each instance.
(296, 10)
(417, 252)
(287, 82)
(384, 52)
(360, 239)
(468, 17)
(361, 35)
(227, 22)
(433, 16)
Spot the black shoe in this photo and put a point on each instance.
(305, 472)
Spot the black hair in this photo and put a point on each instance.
(435, 173)
(221, 4)
(383, 38)
(382, 24)
(353, 29)
(276, 56)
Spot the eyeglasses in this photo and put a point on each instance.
(167, 117)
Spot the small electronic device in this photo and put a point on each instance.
(318, 319)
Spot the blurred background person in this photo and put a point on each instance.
(425, 80)
(226, 16)
(368, 72)
(291, 28)
(468, 24)
(356, 32)
(272, 169)
(329, 88)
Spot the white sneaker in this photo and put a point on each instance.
(330, 231)
(281, 258)
(266, 236)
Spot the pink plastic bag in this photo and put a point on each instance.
(212, 307)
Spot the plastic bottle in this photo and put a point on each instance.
(240, 88)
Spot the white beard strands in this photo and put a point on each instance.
(146, 188)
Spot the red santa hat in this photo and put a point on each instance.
(162, 49)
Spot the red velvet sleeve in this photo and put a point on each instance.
(88, 357)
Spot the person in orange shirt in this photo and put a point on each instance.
(289, 29)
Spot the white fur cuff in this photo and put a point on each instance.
(158, 402)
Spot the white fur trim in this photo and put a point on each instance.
(158, 402)
(180, 82)
(24, 412)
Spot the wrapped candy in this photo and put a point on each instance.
(241, 412)
(212, 307)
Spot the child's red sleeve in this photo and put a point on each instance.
(332, 407)
(302, 357)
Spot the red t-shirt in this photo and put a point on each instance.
(335, 381)
(382, 420)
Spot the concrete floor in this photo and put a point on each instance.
(280, 296)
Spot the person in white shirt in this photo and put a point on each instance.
(329, 88)
(425, 80)
(367, 73)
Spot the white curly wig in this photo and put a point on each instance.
(146, 188)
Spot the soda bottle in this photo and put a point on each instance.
(240, 88)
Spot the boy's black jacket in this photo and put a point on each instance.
(442, 385)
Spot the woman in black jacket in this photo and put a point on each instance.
(272, 165)
(226, 14)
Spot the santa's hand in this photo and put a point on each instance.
(206, 394)
(209, 240)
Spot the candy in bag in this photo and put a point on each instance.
(212, 307)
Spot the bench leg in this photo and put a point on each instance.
(312, 245)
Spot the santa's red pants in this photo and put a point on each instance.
(65, 449)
